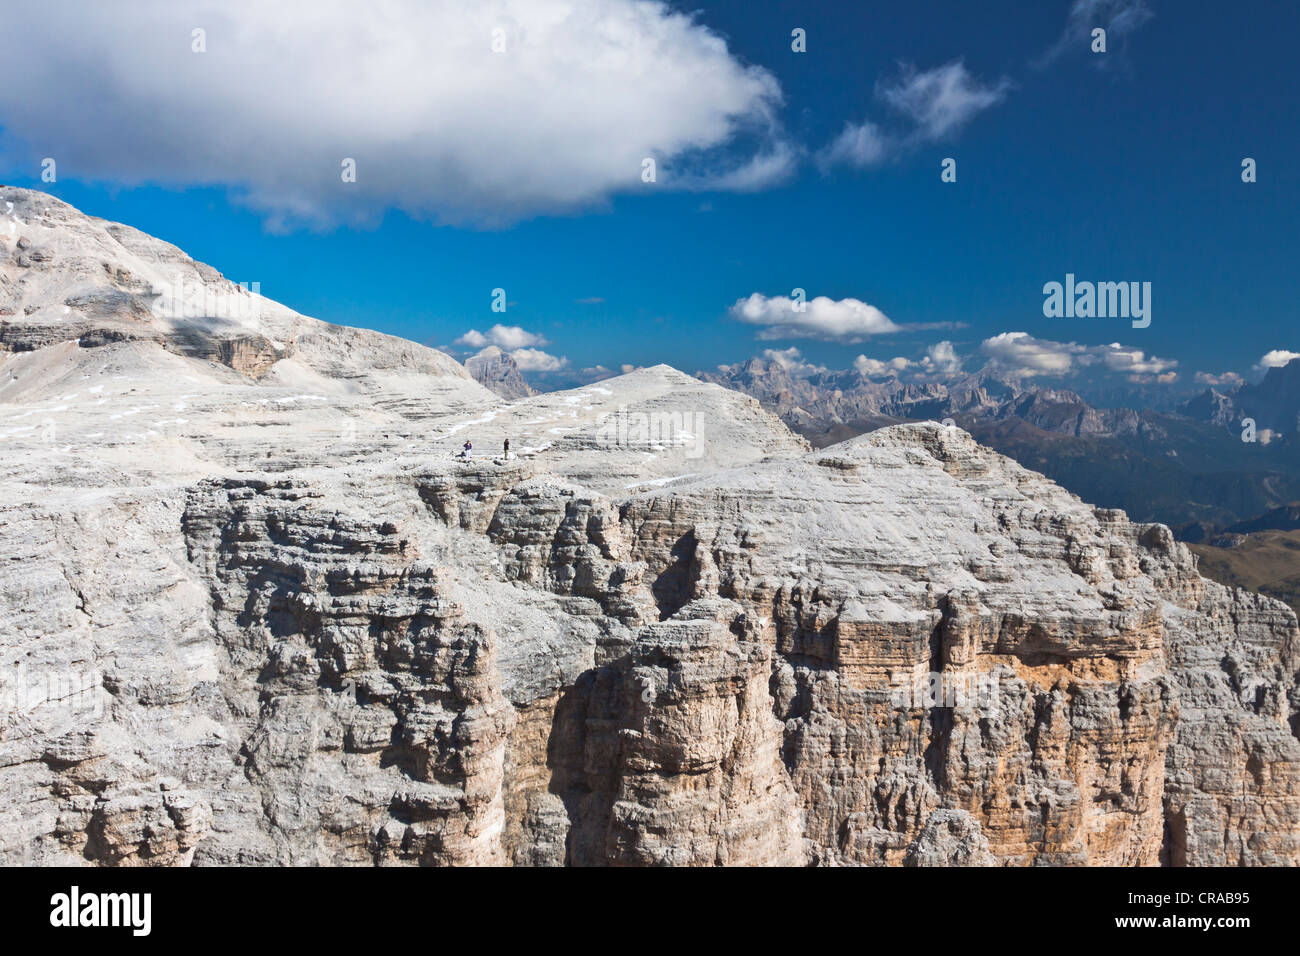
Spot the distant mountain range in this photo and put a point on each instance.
(1186, 466)
(1273, 404)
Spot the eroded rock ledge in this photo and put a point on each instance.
(735, 673)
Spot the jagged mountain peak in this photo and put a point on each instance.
(495, 369)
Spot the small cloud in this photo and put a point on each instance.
(832, 320)
(1227, 378)
(792, 361)
(860, 145)
(875, 368)
(942, 100)
(535, 360)
(590, 300)
(508, 337)
(1118, 18)
(942, 359)
(934, 104)
(1276, 359)
(1134, 362)
(1019, 353)
(763, 170)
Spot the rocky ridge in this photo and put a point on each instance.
(253, 611)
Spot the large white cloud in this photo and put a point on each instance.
(439, 124)
(837, 320)
(1022, 354)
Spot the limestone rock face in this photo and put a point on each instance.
(680, 752)
(495, 369)
(253, 611)
(950, 838)
(306, 600)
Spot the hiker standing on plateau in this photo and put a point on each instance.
(507, 449)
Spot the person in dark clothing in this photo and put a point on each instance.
(507, 448)
(468, 447)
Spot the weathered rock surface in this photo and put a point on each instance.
(252, 610)
(494, 369)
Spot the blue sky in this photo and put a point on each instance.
(1118, 166)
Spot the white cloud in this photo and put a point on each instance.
(934, 104)
(1227, 378)
(842, 320)
(440, 126)
(765, 169)
(875, 368)
(1118, 17)
(535, 360)
(1131, 361)
(1022, 354)
(941, 100)
(942, 359)
(506, 336)
(860, 144)
(1276, 358)
(792, 361)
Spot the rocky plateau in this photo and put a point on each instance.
(254, 610)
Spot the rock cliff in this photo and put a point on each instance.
(253, 610)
